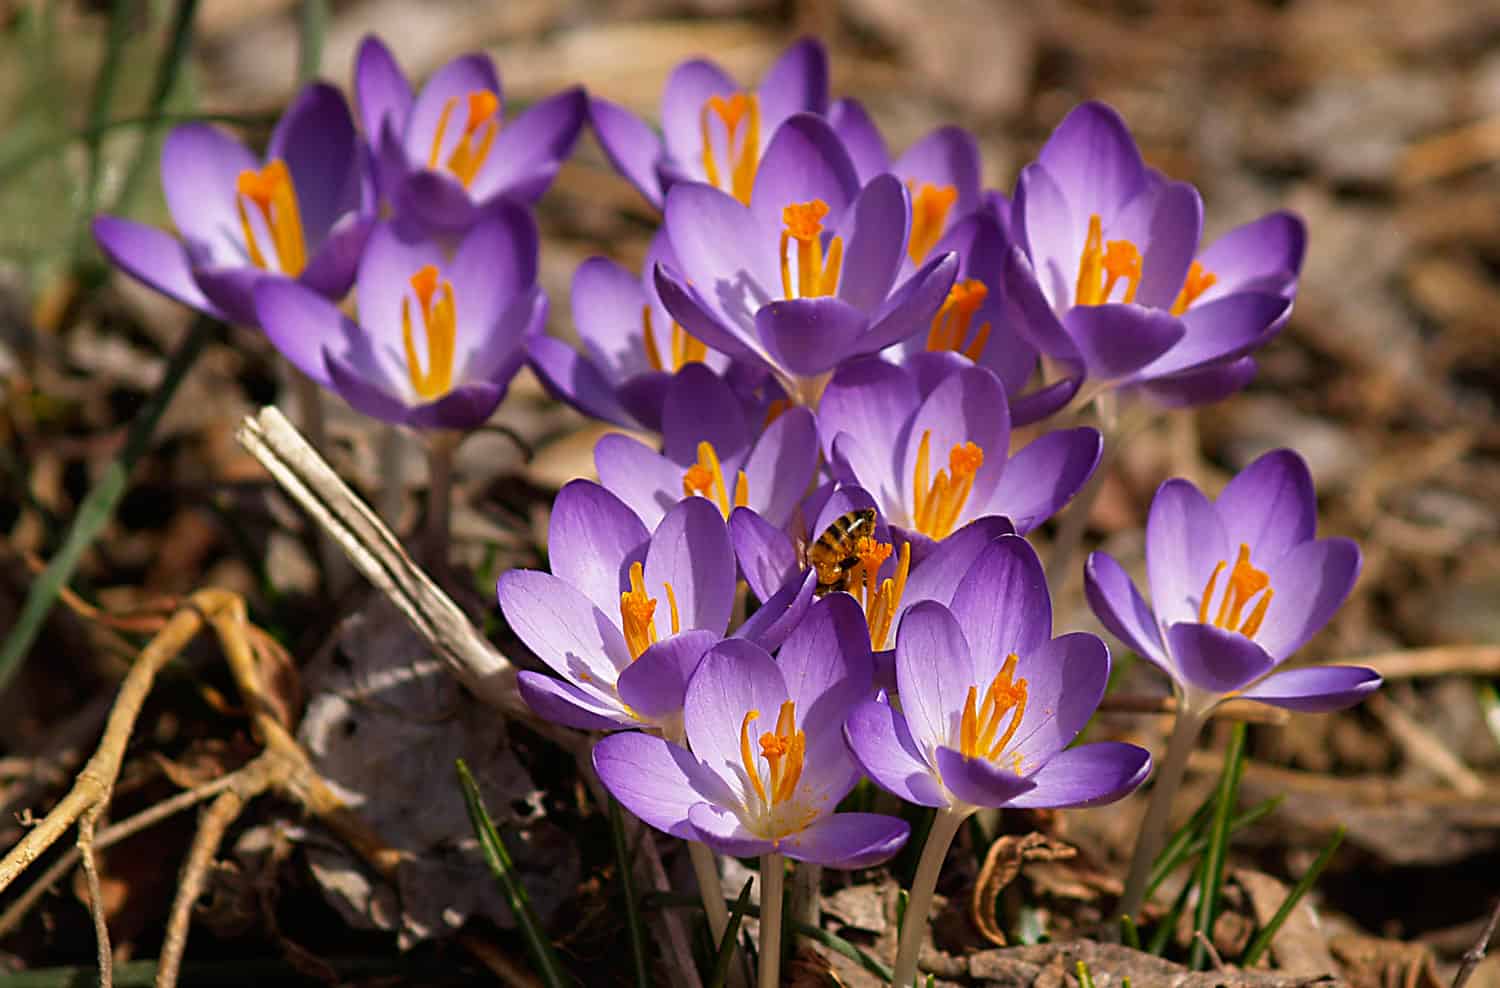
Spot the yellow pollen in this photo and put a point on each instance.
(930, 205)
(1199, 280)
(743, 154)
(686, 348)
(638, 613)
(706, 479)
(817, 273)
(481, 124)
(783, 750)
(1102, 266)
(440, 320)
(938, 503)
(879, 598)
(950, 327)
(270, 191)
(981, 721)
(1245, 581)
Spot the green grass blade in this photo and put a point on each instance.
(1129, 934)
(1268, 932)
(35, 154)
(310, 34)
(121, 15)
(724, 955)
(623, 859)
(1176, 850)
(1196, 845)
(99, 505)
(498, 858)
(1218, 844)
(1168, 923)
(1085, 978)
(168, 71)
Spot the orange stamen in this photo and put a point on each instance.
(950, 327)
(742, 155)
(1199, 280)
(440, 321)
(706, 479)
(270, 191)
(481, 124)
(930, 205)
(1102, 266)
(817, 273)
(980, 722)
(879, 598)
(939, 503)
(1244, 583)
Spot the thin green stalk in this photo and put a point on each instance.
(168, 70)
(1085, 977)
(1196, 844)
(945, 826)
(1169, 775)
(1268, 932)
(441, 447)
(1218, 843)
(1129, 934)
(772, 883)
(1168, 923)
(310, 34)
(724, 955)
(41, 151)
(498, 858)
(633, 925)
(99, 505)
(106, 83)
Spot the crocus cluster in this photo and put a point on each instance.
(814, 568)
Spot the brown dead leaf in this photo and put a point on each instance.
(1370, 962)
(1002, 863)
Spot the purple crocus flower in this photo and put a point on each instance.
(302, 212)
(936, 461)
(1237, 586)
(710, 449)
(768, 762)
(631, 346)
(437, 340)
(445, 155)
(625, 614)
(802, 278)
(990, 700)
(713, 130)
(1104, 279)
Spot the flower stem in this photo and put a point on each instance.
(706, 869)
(772, 875)
(914, 925)
(440, 450)
(1169, 775)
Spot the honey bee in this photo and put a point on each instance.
(832, 555)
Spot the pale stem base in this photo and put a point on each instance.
(772, 876)
(706, 870)
(440, 449)
(919, 903)
(1148, 841)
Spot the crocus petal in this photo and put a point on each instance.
(683, 101)
(1002, 605)
(1089, 775)
(1315, 689)
(1263, 255)
(828, 667)
(699, 407)
(562, 627)
(1221, 330)
(804, 161)
(912, 305)
(1043, 402)
(796, 83)
(200, 170)
(607, 304)
(782, 463)
(1031, 313)
(651, 778)
(467, 406)
(592, 538)
(1170, 236)
(1310, 583)
(688, 307)
(690, 552)
(848, 840)
(363, 393)
(630, 144)
(1092, 155)
(1185, 540)
(558, 701)
(722, 830)
(766, 554)
(302, 324)
(437, 201)
(1117, 339)
(883, 746)
(1051, 238)
(654, 684)
(875, 234)
(1065, 679)
(1121, 608)
(1204, 386)
(861, 138)
(947, 156)
(1044, 475)
(331, 269)
(979, 781)
(644, 479)
(1270, 505)
(734, 678)
(941, 571)
(530, 149)
(453, 82)
(495, 263)
(808, 336)
(316, 139)
(153, 257)
(780, 615)
(232, 290)
(1216, 660)
(393, 255)
(573, 378)
(866, 398)
(728, 257)
(934, 671)
(381, 91)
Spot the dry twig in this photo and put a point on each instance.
(1475, 954)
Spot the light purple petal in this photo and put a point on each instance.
(912, 305)
(530, 149)
(495, 263)
(729, 258)
(734, 678)
(316, 139)
(1221, 330)
(1089, 775)
(651, 778)
(699, 407)
(883, 746)
(302, 324)
(1184, 542)
(562, 627)
(654, 684)
(848, 840)
(1216, 660)
(827, 665)
(782, 463)
(1039, 404)
(331, 269)
(979, 781)
(1052, 236)
(381, 91)
(608, 303)
(467, 406)
(1263, 255)
(934, 671)
(1002, 605)
(861, 138)
(969, 406)
(868, 399)
(1092, 155)
(1117, 339)
(364, 393)
(808, 336)
(1201, 387)
(874, 236)
(947, 156)
(454, 81)
(573, 378)
(766, 554)
(939, 574)
(687, 90)
(1270, 506)
(1315, 689)
(153, 257)
(1044, 475)
(796, 83)
(1168, 236)
(1031, 313)
(735, 337)
(631, 146)
(690, 552)
(558, 701)
(722, 830)
(1310, 582)
(803, 161)
(392, 256)
(592, 538)
(644, 479)
(782, 612)
(1121, 608)
(200, 169)
(1065, 678)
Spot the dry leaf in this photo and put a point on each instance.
(1002, 863)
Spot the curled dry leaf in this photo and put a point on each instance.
(1002, 863)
